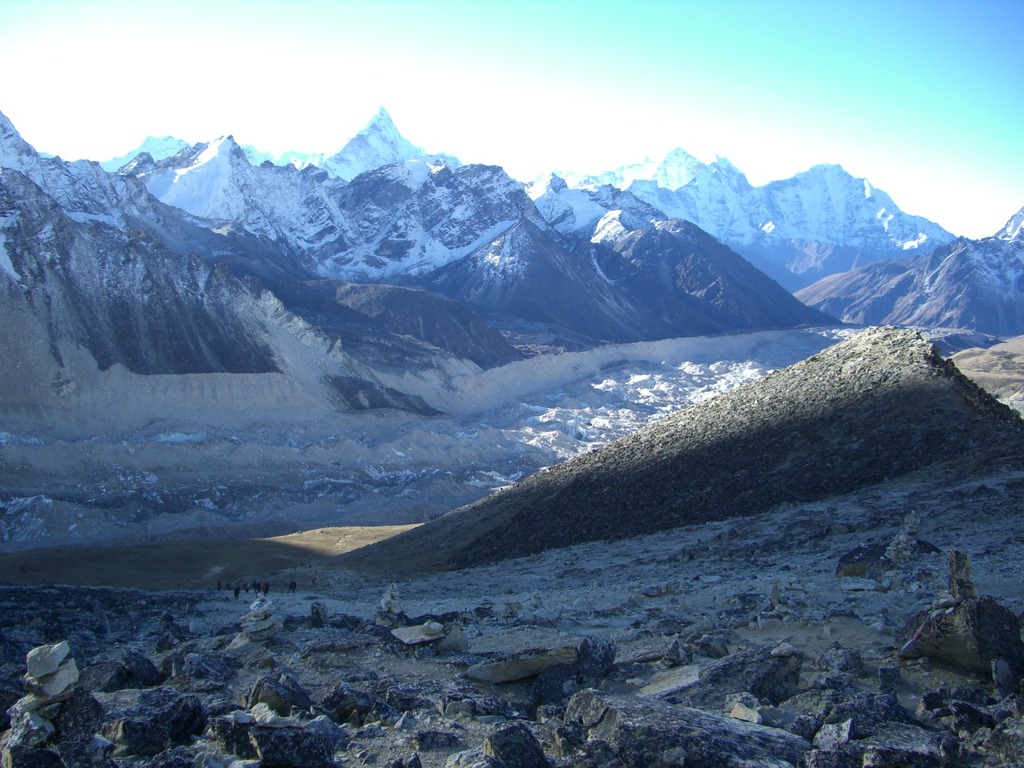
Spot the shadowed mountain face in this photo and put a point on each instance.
(976, 284)
(878, 406)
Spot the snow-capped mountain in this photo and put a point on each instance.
(677, 169)
(215, 181)
(158, 148)
(378, 144)
(578, 210)
(818, 222)
(98, 274)
(976, 284)
(470, 233)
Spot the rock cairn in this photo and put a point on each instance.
(50, 678)
(258, 625)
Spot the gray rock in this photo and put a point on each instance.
(769, 677)
(26, 757)
(1006, 742)
(515, 746)
(148, 721)
(283, 695)
(645, 732)
(121, 668)
(971, 636)
(79, 719)
(292, 746)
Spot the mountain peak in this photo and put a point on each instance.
(157, 147)
(1013, 232)
(383, 117)
(13, 148)
(378, 144)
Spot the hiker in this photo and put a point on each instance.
(237, 590)
(292, 586)
(266, 587)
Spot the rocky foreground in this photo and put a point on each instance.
(841, 632)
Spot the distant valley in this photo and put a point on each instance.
(205, 341)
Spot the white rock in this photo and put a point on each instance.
(743, 712)
(45, 659)
(784, 649)
(421, 633)
(55, 683)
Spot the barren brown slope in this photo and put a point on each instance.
(877, 406)
(999, 369)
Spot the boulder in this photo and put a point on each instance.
(428, 632)
(26, 757)
(520, 666)
(282, 695)
(150, 720)
(122, 668)
(970, 635)
(1006, 742)
(767, 675)
(515, 746)
(646, 732)
(292, 746)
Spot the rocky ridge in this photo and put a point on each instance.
(877, 406)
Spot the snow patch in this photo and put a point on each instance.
(5, 263)
(609, 228)
(917, 242)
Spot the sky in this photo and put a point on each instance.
(924, 99)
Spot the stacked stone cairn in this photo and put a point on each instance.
(50, 678)
(258, 625)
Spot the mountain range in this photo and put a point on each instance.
(977, 284)
(198, 288)
(797, 230)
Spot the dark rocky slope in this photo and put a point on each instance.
(878, 406)
(975, 284)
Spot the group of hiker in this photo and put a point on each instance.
(255, 585)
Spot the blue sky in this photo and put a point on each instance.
(922, 98)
